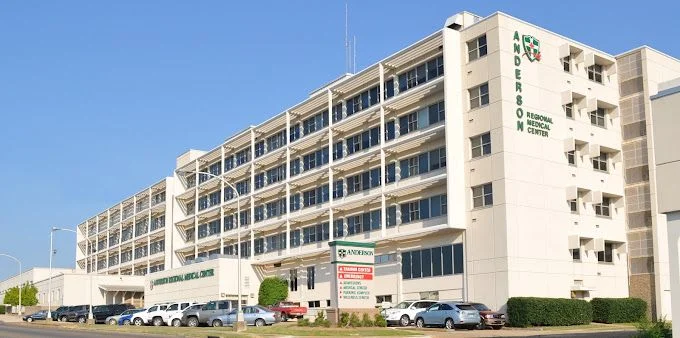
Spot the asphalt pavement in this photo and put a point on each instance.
(23, 331)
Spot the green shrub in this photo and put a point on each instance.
(2, 309)
(320, 320)
(272, 290)
(533, 311)
(379, 321)
(344, 319)
(657, 329)
(618, 310)
(354, 320)
(366, 320)
(303, 322)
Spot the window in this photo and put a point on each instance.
(295, 238)
(276, 174)
(259, 181)
(311, 277)
(432, 262)
(215, 168)
(383, 298)
(259, 149)
(242, 156)
(421, 73)
(259, 246)
(315, 123)
(479, 96)
(482, 195)
(603, 209)
(384, 259)
(595, 73)
(606, 256)
(597, 117)
(476, 48)
(481, 145)
(569, 110)
(313, 304)
(294, 132)
(571, 157)
(573, 206)
(576, 254)
(276, 141)
(566, 63)
(293, 279)
(600, 162)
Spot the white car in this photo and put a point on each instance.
(176, 319)
(405, 312)
(153, 312)
(172, 310)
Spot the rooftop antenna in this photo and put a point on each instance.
(354, 57)
(347, 55)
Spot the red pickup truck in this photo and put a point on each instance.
(289, 310)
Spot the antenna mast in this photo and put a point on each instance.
(347, 53)
(354, 57)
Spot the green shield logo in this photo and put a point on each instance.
(532, 48)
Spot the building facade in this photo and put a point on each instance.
(485, 161)
(665, 122)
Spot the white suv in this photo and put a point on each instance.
(176, 319)
(145, 317)
(172, 310)
(405, 312)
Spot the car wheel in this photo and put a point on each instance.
(29, 319)
(81, 320)
(138, 322)
(448, 324)
(216, 323)
(158, 321)
(126, 322)
(284, 317)
(404, 320)
(62, 318)
(497, 327)
(176, 323)
(420, 323)
(259, 322)
(192, 322)
(112, 322)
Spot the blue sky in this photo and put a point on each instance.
(90, 91)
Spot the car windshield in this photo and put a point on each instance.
(403, 305)
(481, 307)
(128, 312)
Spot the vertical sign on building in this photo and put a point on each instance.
(353, 275)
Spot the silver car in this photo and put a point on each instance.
(449, 315)
(253, 315)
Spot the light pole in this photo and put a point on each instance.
(19, 277)
(240, 321)
(49, 283)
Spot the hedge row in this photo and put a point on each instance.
(618, 310)
(2, 309)
(532, 311)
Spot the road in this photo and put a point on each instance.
(20, 331)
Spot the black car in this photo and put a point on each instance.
(78, 313)
(101, 312)
(56, 313)
(40, 315)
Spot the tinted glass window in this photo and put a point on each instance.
(210, 306)
(223, 305)
(184, 306)
(153, 308)
(465, 307)
(445, 307)
(173, 307)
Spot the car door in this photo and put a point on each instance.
(223, 307)
(230, 318)
(249, 315)
(208, 310)
(430, 314)
(446, 311)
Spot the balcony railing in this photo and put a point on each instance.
(128, 211)
(113, 261)
(127, 235)
(126, 257)
(157, 223)
(142, 205)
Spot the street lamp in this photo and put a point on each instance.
(239, 311)
(19, 277)
(49, 288)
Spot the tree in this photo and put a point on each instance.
(28, 295)
(272, 291)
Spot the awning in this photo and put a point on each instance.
(122, 288)
(582, 288)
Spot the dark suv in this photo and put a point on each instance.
(56, 313)
(101, 312)
(75, 313)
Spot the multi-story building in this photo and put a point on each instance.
(485, 161)
(641, 70)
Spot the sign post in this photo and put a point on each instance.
(353, 273)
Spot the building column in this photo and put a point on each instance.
(383, 209)
(330, 166)
(288, 183)
(252, 192)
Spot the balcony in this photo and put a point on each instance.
(158, 199)
(128, 212)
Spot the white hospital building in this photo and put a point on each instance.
(491, 159)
